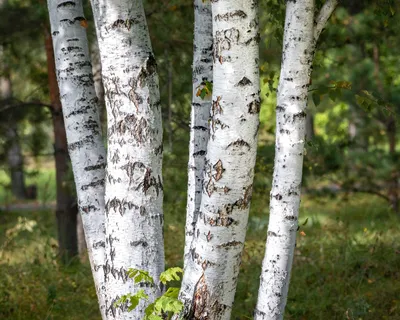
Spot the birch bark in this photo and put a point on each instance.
(299, 43)
(85, 146)
(210, 279)
(134, 189)
(200, 114)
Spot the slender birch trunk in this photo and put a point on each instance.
(85, 146)
(200, 114)
(299, 43)
(66, 211)
(134, 189)
(210, 279)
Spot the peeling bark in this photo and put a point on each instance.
(300, 37)
(85, 146)
(210, 278)
(134, 188)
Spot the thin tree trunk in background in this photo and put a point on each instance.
(299, 43)
(134, 189)
(212, 269)
(394, 187)
(85, 145)
(200, 114)
(66, 211)
(309, 127)
(15, 159)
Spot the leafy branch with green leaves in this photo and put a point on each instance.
(163, 307)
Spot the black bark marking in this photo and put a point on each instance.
(279, 108)
(299, 115)
(127, 24)
(199, 153)
(69, 21)
(145, 72)
(219, 169)
(99, 244)
(131, 167)
(87, 209)
(272, 234)
(158, 150)
(93, 184)
(121, 206)
(238, 144)
(142, 243)
(202, 128)
(137, 128)
(81, 110)
(95, 167)
(256, 39)
(150, 181)
(66, 4)
(231, 15)
(244, 82)
(229, 244)
(277, 197)
(291, 218)
(209, 236)
(254, 107)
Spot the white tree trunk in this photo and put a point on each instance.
(200, 114)
(85, 146)
(210, 279)
(299, 43)
(134, 189)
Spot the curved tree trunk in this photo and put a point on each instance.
(299, 43)
(210, 278)
(200, 114)
(80, 109)
(66, 211)
(134, 189)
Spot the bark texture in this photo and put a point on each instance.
(210, 277)
(200, 114)
(134, 188)
(300, 37)
(80, 109)
(66, 211)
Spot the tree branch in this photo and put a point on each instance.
(25, 104)
(323, 16)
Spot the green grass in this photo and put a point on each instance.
(44, 179)
(347, 263)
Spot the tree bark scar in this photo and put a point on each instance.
(200, 300)
(219, 170)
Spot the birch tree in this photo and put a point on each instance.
(210, 278)
(134, 188)
(301, 33)
(85, 146)
(200, 113)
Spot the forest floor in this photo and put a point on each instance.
(347, 262)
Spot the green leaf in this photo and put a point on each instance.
(140, 276)
(316, 98)
(170, 275)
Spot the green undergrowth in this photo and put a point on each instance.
(347, 262)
